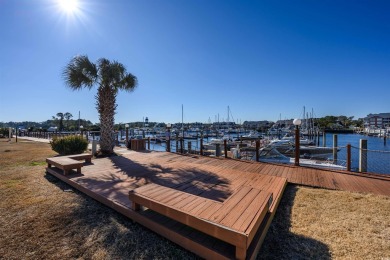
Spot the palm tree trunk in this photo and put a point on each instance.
(106, 99)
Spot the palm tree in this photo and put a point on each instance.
(67, 116)
(61, 119)
(110, 76)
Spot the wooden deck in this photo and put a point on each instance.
(109, 181)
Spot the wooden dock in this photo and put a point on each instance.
(200, 179)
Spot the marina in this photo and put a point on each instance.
(313, 151)
(378, 151)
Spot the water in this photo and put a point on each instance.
(378, 155)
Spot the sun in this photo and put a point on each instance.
(68, 6)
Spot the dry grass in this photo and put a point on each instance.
(39, 219)
(323, 224)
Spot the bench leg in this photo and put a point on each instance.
(79, 170)
(66, 172)
(88, 160)
(240, 253)
(48, 165)
(135, 206)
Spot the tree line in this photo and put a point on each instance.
(334, 122)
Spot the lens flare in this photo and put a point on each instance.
(68, 6)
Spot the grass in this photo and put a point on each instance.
(42, 217)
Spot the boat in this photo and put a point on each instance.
(287, 148)
(302, 141)
(272, 155)
(253, 135)
(212, 143)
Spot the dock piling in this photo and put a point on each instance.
(324, 139)
(225, 147)
(349, 157)
(201, 144)
(335, 148)
(218, 150)
(363, 156)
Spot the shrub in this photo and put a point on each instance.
(67, 145)
(4, 132)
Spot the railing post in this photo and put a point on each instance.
(334, 148)
(189, 147)
(363, 156)
(349, 157)
(217, 150)
(127, 135)
(94, 146)
(257, 150)
(168, 143)
(149, 143)
(225, 147)
(297, 146)
(182, 145)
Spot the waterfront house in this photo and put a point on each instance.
(381, 120)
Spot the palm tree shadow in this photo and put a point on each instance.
(185, 178)
(280, 243)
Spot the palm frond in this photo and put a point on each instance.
(128, 83)
(123, 80)
(80, 72)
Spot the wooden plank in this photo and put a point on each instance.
(239, 209)
(220, 232)
(84, 156)
(241, 222)
(230, 203)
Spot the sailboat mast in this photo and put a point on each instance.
(312, 118)
(182, 120)
(228, 115)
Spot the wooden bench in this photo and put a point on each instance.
(84, 156)
(234, 221)
(64, 163)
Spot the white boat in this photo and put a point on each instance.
(287, 148)
(302, 141)
(252, 135)
(272, 155)
(211, 144)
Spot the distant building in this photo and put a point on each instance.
(284, 123)
(196, 125)
(52, 129)
(380, 120)
(224, 125)
(257, 124)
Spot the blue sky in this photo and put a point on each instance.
(265, 59)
